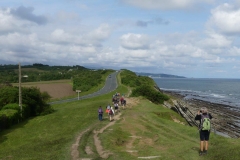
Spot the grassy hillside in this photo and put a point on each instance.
(152, 130)
(144, 129)
(51, 136)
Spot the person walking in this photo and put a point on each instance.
(111, 114)
(204, 129)
(116, 108)
(100, 113)
(108, 106)
(121, 100)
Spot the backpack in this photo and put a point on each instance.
(110, 111)
(100, 111)
(205, 123)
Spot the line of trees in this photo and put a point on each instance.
(38, 72)
(83, 79)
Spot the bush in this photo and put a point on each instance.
(14, 106)
(8, 94)
(25, 109)
(150, 93)
(34, 100)
(130, 78)
(8, 117)
(47, 110)
(26, 112)
(143, 86)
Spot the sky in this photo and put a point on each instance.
(191, 38)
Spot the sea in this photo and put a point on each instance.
(221, 91)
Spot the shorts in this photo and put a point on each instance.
(204, 135)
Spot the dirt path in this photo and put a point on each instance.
(74, 149)
(100, 150)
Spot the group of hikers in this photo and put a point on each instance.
(118, 101)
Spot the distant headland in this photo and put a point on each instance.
(158, 75)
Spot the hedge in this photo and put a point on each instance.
(8, 117)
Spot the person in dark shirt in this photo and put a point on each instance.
(100, 113)
(204, 134)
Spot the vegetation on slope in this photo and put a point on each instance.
(34, 103)
(142, 86)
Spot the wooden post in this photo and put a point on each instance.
(20, 89)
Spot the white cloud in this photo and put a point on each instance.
(220, 60)
(101, 33)
(137, 54)
(225, 18)
(216, 40)
(59, 35)
(134, 41)
(20, 41)
(234, 51)
(171, 65)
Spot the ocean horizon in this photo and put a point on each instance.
(215, 90)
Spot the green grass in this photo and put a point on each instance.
(161, 136)
(51, 136)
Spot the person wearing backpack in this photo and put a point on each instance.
(110, 114)
(100, 113)
(204, 129)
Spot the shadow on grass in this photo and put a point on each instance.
(6, 131)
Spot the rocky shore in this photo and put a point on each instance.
(226, 119)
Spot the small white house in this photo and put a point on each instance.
(25, 76)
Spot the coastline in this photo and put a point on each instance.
(226, 119)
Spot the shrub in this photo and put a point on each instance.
(47, 110)
(14, 106)
(143, 86)
(130, 78)
(34, 100)
(26, 111)
(8, 117)
(150, 93)
(8, 94)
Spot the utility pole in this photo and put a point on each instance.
(20, 88)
